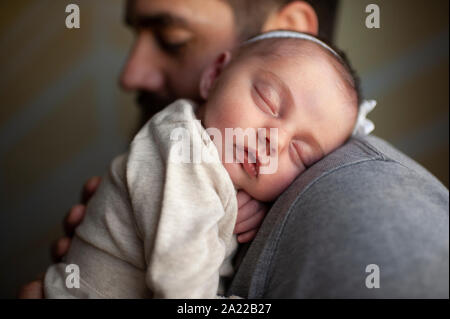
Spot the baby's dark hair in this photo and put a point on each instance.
(351, 72)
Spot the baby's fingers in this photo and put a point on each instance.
(248, 236)
(247, 211)
(242, 198)
(251, 223)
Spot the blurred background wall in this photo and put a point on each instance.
(63, 117)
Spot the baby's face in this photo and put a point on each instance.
(300, 96)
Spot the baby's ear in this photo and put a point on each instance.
(212, 72)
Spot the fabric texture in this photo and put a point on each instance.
(156, 227)
(366, 203)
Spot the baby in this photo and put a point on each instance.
(161, 227)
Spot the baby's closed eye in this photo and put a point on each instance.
(267, 99)
(303, 153)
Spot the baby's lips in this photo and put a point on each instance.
(251, 169)
(264, 157)
(241, 152)
(251, 157)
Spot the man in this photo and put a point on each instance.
(363, 207)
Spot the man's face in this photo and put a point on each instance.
(175, 41)
(299, 96)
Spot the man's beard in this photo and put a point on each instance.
(150, 104)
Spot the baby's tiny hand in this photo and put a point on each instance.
(250, 215)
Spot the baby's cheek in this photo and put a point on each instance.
(273, 185)
(236, 176)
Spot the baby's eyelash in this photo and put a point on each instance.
(304, 152)
(297, 158)
(268, 103)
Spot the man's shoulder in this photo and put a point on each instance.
(362, 166)
(365, 156)
(364, 203)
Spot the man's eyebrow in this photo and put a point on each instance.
(155, 20)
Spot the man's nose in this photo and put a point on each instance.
(144, 69)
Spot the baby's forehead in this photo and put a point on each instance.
(309, 56)
(295, 54)
(295, 58)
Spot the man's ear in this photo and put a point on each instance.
(296, 16)
(212, 72)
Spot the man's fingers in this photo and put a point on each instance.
(32, 290)
(60, 248)
(248, 236)
(73, 218)
(250, 223)
(89, 188)
(242, 198)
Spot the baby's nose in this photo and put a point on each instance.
(268, 141)
(284, 138)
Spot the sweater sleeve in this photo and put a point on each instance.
(155, 227)
(190, 244)
(106, 251)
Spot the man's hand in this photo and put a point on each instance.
(250, 216)
(34, 289)
(74, 218)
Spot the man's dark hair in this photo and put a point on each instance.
(251, 15)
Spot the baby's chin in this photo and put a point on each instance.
(260, 189)
(265, 188)
(263, 193)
